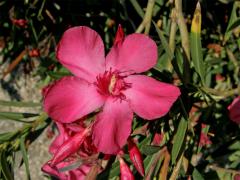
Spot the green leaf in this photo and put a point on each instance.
(25, 157)
(233, 21)
(58, 75)
(179, 139)
(138, 8)
(19, 104)
(5, 167)
(164, 42)
(149, 150)
(7, 136)
(196, 45)
(16, 116)
(196, 175)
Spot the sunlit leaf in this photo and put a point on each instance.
(196, 45)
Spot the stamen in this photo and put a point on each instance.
(111, 83)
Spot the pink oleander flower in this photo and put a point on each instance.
(109, 84)
(71, 161)
(234, 110)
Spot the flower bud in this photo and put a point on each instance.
(126, 173)
(69, 147)
(136, 157)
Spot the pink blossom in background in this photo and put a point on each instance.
(22, 23)
(204, 140)
(74, 157)
(234, 110)
(109, 84)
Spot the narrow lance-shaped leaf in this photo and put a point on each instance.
(4, 168)
(25, 157)
(233, 22)
(178, 139)
(196, 45)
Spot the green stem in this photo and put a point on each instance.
(183, 28)
(146, 23)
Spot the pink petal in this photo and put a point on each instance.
(149, 98)
(69, 147)
(59, 140)
(71, 98)
(234, 110)
(53, 171)
(80, 173)
(81, 50)
(112, 126)
(138, 53)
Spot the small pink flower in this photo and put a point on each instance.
(234, 110)
(108, 83)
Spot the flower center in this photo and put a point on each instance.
(111, 84)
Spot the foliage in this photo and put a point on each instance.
(198, 50)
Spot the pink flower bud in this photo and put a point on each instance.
(119, 35)
(126, 173)
(136, 157)
(69, 147)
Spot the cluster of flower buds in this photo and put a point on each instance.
(69, 149)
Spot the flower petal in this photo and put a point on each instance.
(71, 98)
(158, 97)
(81, 50)
(136, 54)
(234, 112)
(59, 140)
(112, 126)
(53, 171)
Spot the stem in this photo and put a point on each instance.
(164, 169)
(176, 169)
(225, 94)
(172, 36)
(146, 23)
(183, 28)
(216, 168)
